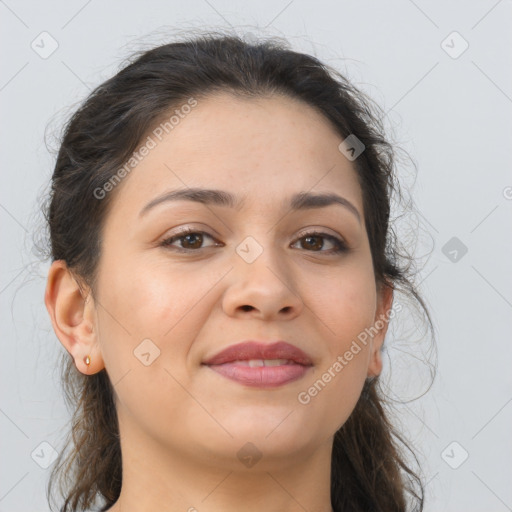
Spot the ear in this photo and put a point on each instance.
(73, 315)
(380, 327)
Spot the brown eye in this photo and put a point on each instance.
(314, 242)
(192, 240)
(188, 240)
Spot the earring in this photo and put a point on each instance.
(87, 360)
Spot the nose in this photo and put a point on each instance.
(264, 289)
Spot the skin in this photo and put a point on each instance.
(181, 423)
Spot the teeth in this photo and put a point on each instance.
(276, 362)
(253, 363)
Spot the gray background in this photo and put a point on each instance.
(450, 110)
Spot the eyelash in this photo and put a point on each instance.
(340, 246)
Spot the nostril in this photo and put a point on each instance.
(246, 308)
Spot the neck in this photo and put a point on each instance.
(156, 478)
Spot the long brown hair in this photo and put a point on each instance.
(369, 468)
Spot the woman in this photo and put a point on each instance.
(222, 278)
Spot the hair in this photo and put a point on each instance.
(369, 470)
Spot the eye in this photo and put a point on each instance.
(312, 240)
(190, 240)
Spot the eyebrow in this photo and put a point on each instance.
(299, 201)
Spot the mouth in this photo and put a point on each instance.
(263, 365)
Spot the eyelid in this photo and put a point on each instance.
(182, 231)
(185, 230)
(320, 231)
(337, 240)
(341, 245)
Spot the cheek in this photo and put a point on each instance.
(344, 312)
(345, 304)
(142, 297)
(147, 320)
(143, 300)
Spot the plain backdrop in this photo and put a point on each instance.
(442, 72)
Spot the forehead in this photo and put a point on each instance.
(259, 149)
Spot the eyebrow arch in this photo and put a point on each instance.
(300, 201)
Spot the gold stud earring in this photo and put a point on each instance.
(87, 360)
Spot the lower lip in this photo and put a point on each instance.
(261, 376)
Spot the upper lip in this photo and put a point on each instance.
(248, 350)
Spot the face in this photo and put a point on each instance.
(259, 269)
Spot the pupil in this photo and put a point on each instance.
(308, 238)
(198, 238)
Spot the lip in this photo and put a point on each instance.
(232, 363)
